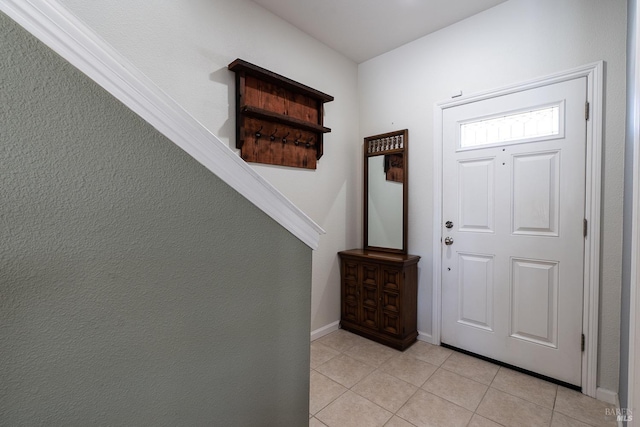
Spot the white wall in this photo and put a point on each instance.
(185, 47)
(515, 41)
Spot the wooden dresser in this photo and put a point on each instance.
(379, 296)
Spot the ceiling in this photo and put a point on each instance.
(363, 29)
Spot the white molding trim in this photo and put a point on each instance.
(423, 336)
(325, 330)
(607, 396)
(59, 29)
(633, 386)
(595, 75)
(593, 208)
(436, 289)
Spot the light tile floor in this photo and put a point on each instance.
(357, 382)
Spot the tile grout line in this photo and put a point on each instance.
(371, 373)
(330, 379)
(378, 369)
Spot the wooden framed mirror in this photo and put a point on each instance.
(386, 192)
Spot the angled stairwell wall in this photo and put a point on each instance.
(136, 288)
(184, 48)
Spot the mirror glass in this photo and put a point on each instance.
(385, 205)
(385, 192)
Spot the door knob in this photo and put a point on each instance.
(448, 241)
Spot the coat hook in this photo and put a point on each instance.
(272, 137)
(297, 140)
(258, 134)
(309, 141)
(284, 138)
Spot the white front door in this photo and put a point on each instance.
(513, 218)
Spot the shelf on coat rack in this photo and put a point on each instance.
(278, 121)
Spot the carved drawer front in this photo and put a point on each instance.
(391, 323)
(370, 296)
(369, 274)
(350, 311)
(370, 306)
(391, 301)
(391, 279)
(370, 317)
(350, 270)
(350, 302)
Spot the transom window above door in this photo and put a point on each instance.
(514, 127)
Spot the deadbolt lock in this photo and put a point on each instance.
(448, 224)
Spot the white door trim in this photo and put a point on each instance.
(594, 74)
(633, 385)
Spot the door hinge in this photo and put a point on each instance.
(582, 343)
(585, 226)
(586, 111)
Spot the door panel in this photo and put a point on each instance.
(476, 290)
(476, 202)
(514, 187)
(534, 301)
(536, 194)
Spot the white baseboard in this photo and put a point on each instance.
(607, 396)
(318, 333)
(612, 398)
(423, 336)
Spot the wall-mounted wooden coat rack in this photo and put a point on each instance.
(278, 120)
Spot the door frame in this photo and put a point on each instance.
(593, 181)
(633, 384)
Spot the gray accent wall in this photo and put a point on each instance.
(136, 288)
